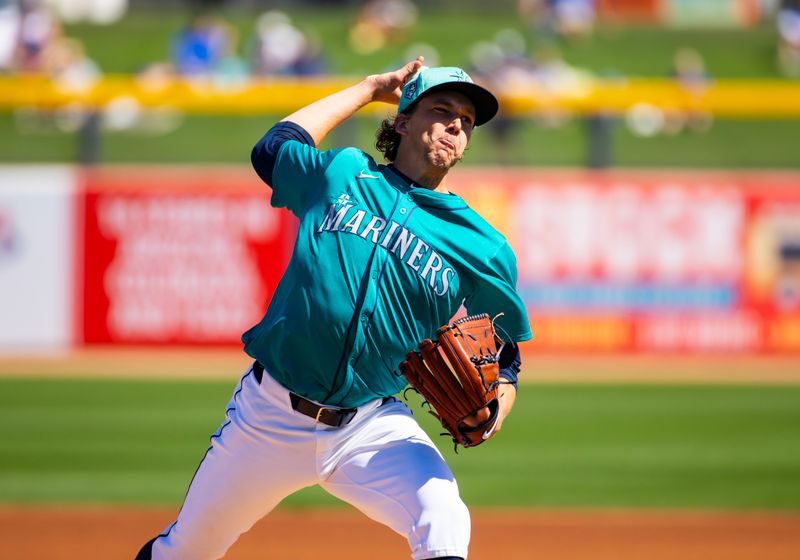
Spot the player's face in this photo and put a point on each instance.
(441, 127)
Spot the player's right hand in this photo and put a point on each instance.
(388, 87)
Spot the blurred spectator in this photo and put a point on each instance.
(557, 76)
(381, 22)
(565, 19)
(788, 21)
(72, 71)
(532, 12)
(280, 48)
(38, 28)
(507, 68)
(504, 67)
(573, 18)
(10, 22)
(198, 49)
(66, 61)
(504, 63)
(311, 61)
(689, 71)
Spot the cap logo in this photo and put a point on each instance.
(411, 90)
(459, 75)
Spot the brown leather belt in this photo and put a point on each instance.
(332, 416)
(328, 415)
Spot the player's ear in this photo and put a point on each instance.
(401, 124)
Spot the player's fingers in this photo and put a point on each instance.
(411, 68)
(478, 418)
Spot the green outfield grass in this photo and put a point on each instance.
(730, 447)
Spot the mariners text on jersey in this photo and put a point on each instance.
(393, 237)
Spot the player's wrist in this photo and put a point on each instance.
(372, 89)
(509, 377)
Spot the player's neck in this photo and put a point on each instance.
(420, 174)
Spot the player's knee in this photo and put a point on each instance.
(444, 529)
(453, 518)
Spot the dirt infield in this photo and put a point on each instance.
(49, 533)
(153, 362)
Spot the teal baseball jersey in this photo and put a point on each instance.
(378, 265)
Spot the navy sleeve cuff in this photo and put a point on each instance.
(510, 363)
(265, 152)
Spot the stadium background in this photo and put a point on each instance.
(646, 172)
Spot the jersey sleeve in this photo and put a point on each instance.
(496, 292)
(265, 152)
(299, 175)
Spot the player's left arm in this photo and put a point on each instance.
(497, 295)
(506, 397)
(510, 366)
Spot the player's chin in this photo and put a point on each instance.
(444, 159)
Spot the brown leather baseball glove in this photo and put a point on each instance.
(457, 374)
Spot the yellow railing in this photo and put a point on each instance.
(725, 98)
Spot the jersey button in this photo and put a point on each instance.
(402, 210)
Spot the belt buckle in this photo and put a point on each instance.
(320, 410)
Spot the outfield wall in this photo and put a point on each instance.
(652, 261)
(629, 261)
(37, 260)
(177, 255)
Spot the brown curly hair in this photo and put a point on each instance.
(387, 139)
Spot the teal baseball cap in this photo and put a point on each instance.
(449, 78)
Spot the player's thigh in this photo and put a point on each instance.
(245, 473)
(397, 476)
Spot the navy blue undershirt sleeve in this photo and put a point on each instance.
(510, 363)
(265, 152)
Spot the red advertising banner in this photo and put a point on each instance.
(178, 255)
(633, 261)
(649, 261)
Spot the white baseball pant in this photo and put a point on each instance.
(382, 462)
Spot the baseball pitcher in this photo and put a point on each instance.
(385, 256)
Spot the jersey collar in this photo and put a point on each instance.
(423, 196)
